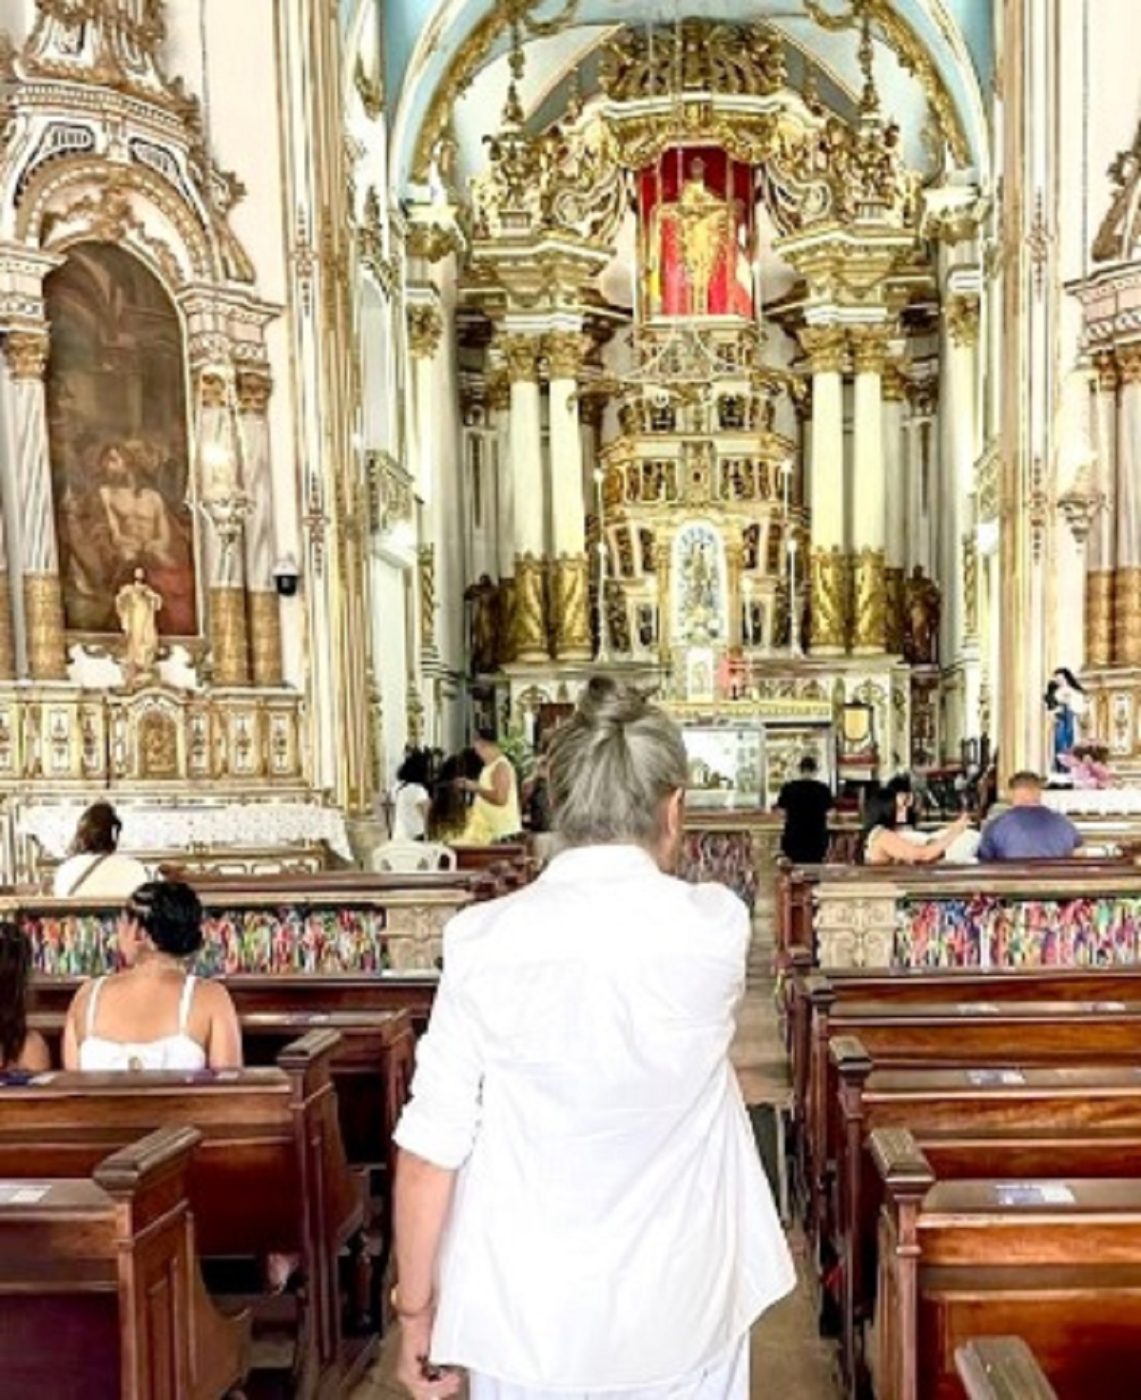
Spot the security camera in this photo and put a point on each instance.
(286, 576)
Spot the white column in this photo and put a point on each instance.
(264, 607)
(1127, 576)
(962, 314)
(528, 624)
(828, 566)
(895, 506)
(869, 505)
(34, 545)
(570, 590)
(1101, 557)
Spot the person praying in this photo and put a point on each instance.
(580, 1205)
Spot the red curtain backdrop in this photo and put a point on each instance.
(695, 234)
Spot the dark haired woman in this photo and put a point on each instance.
(154, 1015)
(96, 869)
(885, 844)
(20, 1048)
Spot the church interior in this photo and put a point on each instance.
(778, 360)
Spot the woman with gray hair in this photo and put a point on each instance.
(579, 1201)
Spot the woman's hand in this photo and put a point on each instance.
(467, 785)
(416, 1374)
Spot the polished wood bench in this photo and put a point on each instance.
(291, 994)
(816, 998)
(1082, 1122)
(1001, 1368)
(270, 1176)
(100, 1291)
(1056, 1262)
(934, 1035)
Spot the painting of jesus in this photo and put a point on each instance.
(116, 399)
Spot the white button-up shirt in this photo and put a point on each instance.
(612, 1226)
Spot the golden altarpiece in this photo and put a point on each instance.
(133, 405)
(693, 439)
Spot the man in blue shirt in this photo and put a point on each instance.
(1028, 830)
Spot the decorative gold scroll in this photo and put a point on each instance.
(228, 637)
(43, 623)
(529, 626)
(570, 601)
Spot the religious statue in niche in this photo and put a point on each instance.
(696, 234)
(484, 599)
(1066, 701)
(699, 573)
(922, 602)
(116, 401)
(138, 606)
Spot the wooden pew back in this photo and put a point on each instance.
(100, 1290)
(1057, 1263)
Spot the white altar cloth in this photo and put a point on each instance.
(150, 826)
(1094, 802)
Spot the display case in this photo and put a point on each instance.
(739, 764)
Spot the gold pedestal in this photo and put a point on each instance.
(895, 623)
(265, 639)
(7, 646)
(505, 643)
(1127, 617)
(570, 595)
(830, 600)
(1099, 617)
(43, 623)
(529, 627)
(229, 642)
(869, 595)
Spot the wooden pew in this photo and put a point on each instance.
(924, 1035)
(814, 999)
(292, 994)
(269, 1177)
(1082, 1122)
(1057, 1263)
(371, 1064)
(100, 1290)
(1001, 1368)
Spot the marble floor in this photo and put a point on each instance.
(788, 1357)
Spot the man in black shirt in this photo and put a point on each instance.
(805, 802)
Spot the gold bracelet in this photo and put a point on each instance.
(408, 1314)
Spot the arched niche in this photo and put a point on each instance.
(118, 440)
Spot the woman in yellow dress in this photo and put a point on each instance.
(495, 812)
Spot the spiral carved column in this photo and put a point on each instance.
(869, 615)
(26, 353)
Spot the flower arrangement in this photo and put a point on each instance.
(1087, 767)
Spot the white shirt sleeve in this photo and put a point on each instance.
(441, 1119)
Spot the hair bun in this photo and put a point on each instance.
(607, 704)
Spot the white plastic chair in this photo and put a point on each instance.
(412, 858)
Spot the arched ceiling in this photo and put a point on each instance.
(425, 39)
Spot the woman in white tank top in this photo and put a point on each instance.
(153, 1015)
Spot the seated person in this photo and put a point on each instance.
(410, 800)
(154, 1015)
(1027, 830)
(96, 869)
(20, 1048)
(885, 844)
